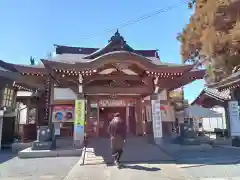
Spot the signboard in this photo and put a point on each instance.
(63, 113)
(176, 94)
(116, 102)
(233, 109)
(167, 113)
(156, 118)
(79, 121)
(111, 103)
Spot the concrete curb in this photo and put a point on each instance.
(16, 147)
(29, 153)
(227, 147)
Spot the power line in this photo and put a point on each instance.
(141, 18)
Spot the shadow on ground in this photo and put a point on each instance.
(137, 150)
(6, 155)
(141, 168)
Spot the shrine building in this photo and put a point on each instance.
(115, 78)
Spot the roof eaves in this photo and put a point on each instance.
(7, 66)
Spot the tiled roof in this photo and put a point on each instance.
(115, 43)
(87, 51)
(224, 95)
(7, 66)
(74, 58)
(79, 58)
(226, 82)
(213, 93)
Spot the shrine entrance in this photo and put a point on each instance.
(126, 113)
(106, 114)
(101, 112)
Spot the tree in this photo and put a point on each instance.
(212, 36)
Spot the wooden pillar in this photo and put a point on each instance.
(79, 133)
(98, 120)
(47, 87)
(142, 117)
(51, 101)
(1, 126)
(127, 119)
(28, 110)
(225, 105)
(138, 115)
(88, 112)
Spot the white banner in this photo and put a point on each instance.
(233, 110)
(156, 119)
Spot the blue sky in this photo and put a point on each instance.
(31, 27)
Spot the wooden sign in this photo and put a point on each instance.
(111, 103)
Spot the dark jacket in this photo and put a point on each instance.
(117, 132)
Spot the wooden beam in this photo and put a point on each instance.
(122, 90)
(97, 77)
(147, 80)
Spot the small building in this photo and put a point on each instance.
(231, 85)
(115, 78)
(217, 101)
(8, 90)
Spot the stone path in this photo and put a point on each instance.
(228, 178)
(98, 155)
(128, 172)
(160, 164)
(136, 150)
(154, 164)
(37, 169)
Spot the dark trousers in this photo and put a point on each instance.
(117, 154)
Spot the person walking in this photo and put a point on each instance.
(117, 132)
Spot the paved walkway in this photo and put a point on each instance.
(129, 172)
(141, 161)
(137, 149)
(36, 169)
(192, 166)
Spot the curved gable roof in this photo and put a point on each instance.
(119, 57)
(116, 43)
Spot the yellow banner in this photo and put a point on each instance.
(79, 112)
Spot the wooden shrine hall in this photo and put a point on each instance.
(115, 78)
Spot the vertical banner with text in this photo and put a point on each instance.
(157, 120)
(79, 121)
(233, 110)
